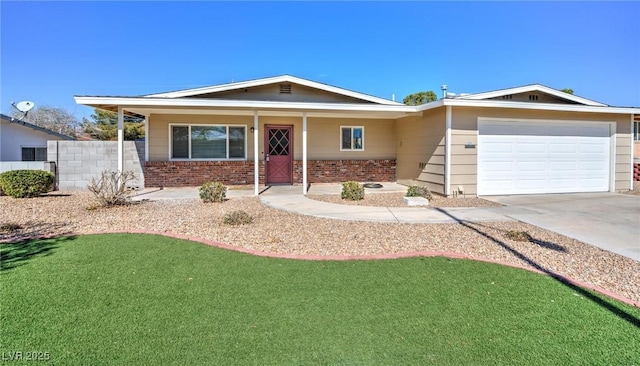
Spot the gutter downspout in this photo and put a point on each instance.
(447, 152)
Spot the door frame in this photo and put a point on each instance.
(266, 149)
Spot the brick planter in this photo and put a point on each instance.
(196, 173)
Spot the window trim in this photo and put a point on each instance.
(34, 152)
(636, 131)
(189, 125)
(352, 128)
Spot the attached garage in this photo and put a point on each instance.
(544, 156)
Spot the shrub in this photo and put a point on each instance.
(352, 191)
(213, 192)
(10, 227)
(418, 191)
(237, 217)
(26, 183)
(111, 188)
(518, 235)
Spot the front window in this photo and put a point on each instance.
(636, 130)
(352, 138)
(210, 142)
(34, 154)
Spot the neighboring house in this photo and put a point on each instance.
(288, 130)
(23, 141)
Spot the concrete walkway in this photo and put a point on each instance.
(297, 203)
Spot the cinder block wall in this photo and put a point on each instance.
(79, 161)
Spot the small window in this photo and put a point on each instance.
(352, 138)
(636, 130)
(34, 154)
(208, 142)
(533, 97)
(507, 97)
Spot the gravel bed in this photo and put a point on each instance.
(394, 199)
(286, 233)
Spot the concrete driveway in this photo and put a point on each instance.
(607, 220)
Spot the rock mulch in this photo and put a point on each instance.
(274, 231)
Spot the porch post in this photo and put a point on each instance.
(256, 156)
(120, 139)
(304, 152)
(146, 138)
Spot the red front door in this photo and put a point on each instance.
(279, 157)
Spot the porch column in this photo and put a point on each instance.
(304, 152)
(256, 156)
(146, 137)
(120, 139)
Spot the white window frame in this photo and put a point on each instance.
(34, 152)
(189, 125)
(352, 128)
(636, 131)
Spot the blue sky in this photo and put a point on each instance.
(51, 51)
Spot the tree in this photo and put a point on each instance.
(104, 126)
(567, 90)
(420, 98)
(52, 118)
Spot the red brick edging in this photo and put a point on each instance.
(363, 257)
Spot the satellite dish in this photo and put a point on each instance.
(24, 106)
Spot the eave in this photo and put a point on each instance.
(148, 105)
(527, 105)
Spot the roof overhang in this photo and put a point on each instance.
(527, 105)
(145, 106)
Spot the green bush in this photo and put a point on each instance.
(418, 191)
(213, 192)
(352, 191)
(26, 183)
(237, 217)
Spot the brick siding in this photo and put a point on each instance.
(196, 173)
(636, 171)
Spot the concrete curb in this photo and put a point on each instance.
(359, 257)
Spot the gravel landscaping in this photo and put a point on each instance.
(285, 233)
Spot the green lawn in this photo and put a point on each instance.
(142, 299)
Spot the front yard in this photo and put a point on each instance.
(144, 299)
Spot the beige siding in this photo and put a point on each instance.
(323, 135)
(271, 92)
(465, 125)
(420, 158)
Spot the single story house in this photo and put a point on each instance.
(288, 130)
(23, 141)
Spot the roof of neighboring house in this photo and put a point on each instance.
(34, 127)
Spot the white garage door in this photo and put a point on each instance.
(527, 157)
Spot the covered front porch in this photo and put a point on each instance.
(272, 147)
